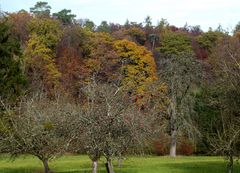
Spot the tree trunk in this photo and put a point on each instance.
(46, 167)
(153, 44)
(120, 161)
(173, 126)
(173, 145)
(230, 165)
(94, 166)
(109, 166)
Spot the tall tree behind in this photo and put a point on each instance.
(41, 9)
(12, 78)
(181, 73)
(65, 16)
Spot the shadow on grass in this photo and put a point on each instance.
(9, 170)
(202, 167)
(99, 171)
(22, 170)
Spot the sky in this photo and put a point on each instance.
(206, 13)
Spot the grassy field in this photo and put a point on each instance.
(151, 164)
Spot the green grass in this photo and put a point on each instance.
(147, 164)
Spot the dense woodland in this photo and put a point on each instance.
(67, 85)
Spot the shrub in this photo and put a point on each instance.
(185, 148)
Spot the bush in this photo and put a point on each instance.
(161, 146)
(185, 148)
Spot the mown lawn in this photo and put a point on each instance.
(147, 164)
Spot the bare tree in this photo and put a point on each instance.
(38, 126)
(225, 63)
(110, 122)
(226, 140)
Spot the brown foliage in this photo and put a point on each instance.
(19, 22)
(185, 148)
(161, 146)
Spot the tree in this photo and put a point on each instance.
(102, 51)
(237, 28)
(65, 16)
(182, 74)
(39, 126)
(226, 140)
(209, 40)
(162, 25)
(40, 54)
(104, 27)
(41, 9)
(88, 24)
(153, 39)
(148, 22)
(137, 35)
(19, 22)
(73, 50)
(47, 30)
(208, 115)
(110, 123)
(40, 66)
(138, 66)
(225, 62)
(12, 78)
(196, 30)
(175, 44)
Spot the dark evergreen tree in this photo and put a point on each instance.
(12, 79)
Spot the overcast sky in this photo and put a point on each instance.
(207, 13)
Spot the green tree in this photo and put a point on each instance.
(208, 113)
(104, 27)
(209, 40)
(153, 38)
(65, 16)
(148, 22)
(236, 30)
(41, 9)
(162, 25)
(88, 24)
(175, 44)
(12, 78)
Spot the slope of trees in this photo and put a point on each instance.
(176, 83)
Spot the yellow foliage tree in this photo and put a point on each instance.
(40, 53)
(48, 30)
(40, 63)
(138, 65)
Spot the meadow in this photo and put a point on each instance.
(146, 164)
